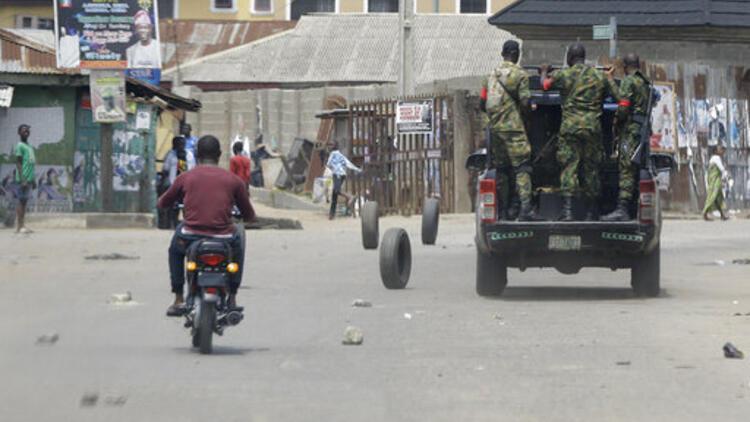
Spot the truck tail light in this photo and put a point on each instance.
(487, 201)
(647, 203)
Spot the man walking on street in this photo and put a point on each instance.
(504, 97)
(239, 165)
(25, 168)
(632, 110)
(583, 90)
(338, 163)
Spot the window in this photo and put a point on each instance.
(303, 7)
(45, 23)
(382, 6)
(166, 9)
(262, 6)
(27, 22)
(473, 6)
(223, 5)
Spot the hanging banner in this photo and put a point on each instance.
(108, 96)
(414, 116)
(107, 34)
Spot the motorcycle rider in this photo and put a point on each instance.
(208, 193)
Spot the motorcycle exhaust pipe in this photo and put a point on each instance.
(234, 318)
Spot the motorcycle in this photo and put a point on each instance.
(210, 263)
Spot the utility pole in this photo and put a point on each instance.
(105, 163)
(613, 37)
(406, 47)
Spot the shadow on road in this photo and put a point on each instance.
(558, 293)
(225, 350)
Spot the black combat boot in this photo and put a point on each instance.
(592, 210)
(567, 209)
(619, 214)
(511, 213)
(527, 212)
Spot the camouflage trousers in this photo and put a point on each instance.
(580, 147)
(628, 171)
(512, 151)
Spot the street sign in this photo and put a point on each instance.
(602, 32)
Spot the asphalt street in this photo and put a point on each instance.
(554, 348)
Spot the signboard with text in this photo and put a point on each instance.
(414, 116)
(108, 96)
(107, 34)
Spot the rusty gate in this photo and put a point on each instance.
(402, 169)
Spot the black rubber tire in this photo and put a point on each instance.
(196, 337)
(430, 220)
(645, 275)
(395, 259)
(492, 275)
(206, 327)
(370, 225)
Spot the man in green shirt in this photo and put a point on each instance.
(25, 162)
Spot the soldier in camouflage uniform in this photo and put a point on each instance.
(504, 94)
(583, 90)
(632, 113)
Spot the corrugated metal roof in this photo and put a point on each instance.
(356, 48)
(27, 51)
(184, 41)
(654, 13)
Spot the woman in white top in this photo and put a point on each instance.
(717, 175)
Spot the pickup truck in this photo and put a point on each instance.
(567, 246)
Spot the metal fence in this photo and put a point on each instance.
(401, 170)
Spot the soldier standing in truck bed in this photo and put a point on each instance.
(504, 95)
(632, 110)
(583, 90)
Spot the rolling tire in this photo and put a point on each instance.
(645, 275)
(492, 275)
(430, 220)
(395, 259)
(206, 327)
(370, 225)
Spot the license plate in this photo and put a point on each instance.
(564, 243)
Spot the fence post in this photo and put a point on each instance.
(462, 140)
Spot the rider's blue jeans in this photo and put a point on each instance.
(178, 248)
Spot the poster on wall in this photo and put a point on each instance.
(717, 118)
(107, 34)
(414, 116)
(108, 96)
(52, 193)
(664, 118)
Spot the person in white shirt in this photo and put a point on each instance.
(338, 163)
(717, 176)
(145, 52)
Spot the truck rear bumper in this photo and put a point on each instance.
(567, 246)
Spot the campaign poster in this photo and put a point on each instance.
(107, 34)
(414, 116)
(108, 96)
(664, 118)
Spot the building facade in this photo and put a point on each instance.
(39, 14)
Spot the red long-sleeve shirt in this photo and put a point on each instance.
(208, 193)
(239, 165)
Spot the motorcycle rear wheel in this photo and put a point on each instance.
(206, 327)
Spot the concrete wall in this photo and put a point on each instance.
(280, 115)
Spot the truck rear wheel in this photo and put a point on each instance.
(492, 275)
(645, 274)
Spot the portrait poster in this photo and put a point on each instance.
(664, 118)
(107, 34)
(108, 96)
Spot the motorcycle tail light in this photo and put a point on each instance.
(211, 290)
(233, 267)
(191, 266)
(211, 259)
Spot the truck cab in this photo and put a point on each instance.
(567, 246)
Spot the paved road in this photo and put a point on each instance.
(566, 347)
